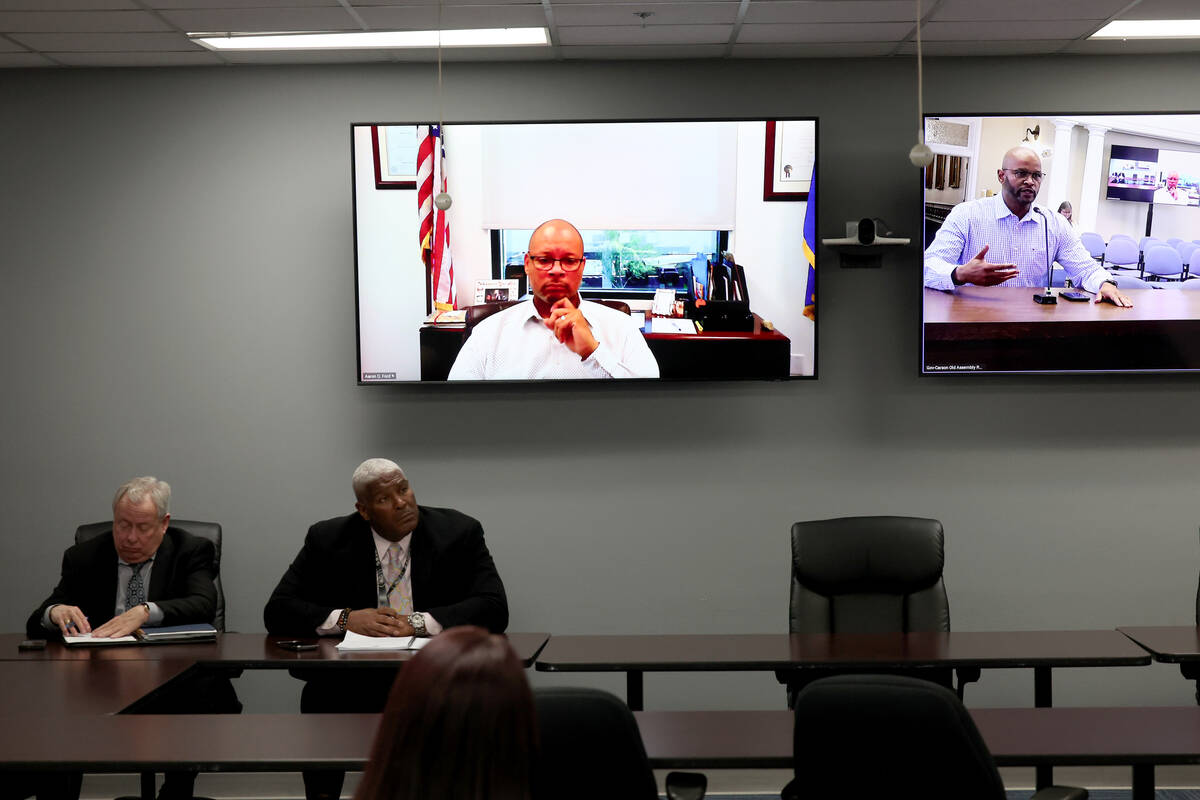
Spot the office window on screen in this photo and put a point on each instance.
(625, 262)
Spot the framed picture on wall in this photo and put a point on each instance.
(791, 148)
(395, 149)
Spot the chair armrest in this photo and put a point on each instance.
(686, 785)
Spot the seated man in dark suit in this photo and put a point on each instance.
(143, 573)
(392, 568)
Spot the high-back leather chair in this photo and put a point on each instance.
(478, 313)
(205, 530)
(591, 749)
(885, 735)
(868, 575)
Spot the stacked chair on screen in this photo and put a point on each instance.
(1121, 253)
(1094, 244)
(1163, 263)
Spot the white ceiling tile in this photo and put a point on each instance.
(199, 59)
(105, 42)
(426, 17)
(79, 21)
(263, 19)
(24, 60)
(1163, 9)
(814, 50)
(628, 52)
(721, 13)
(1007, 30)
(651, 34)
(825, 32)
(991, 48)
(793, 11)
(1034, 12)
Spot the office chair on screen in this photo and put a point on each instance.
(887, 735)
(591, 750)
(227, 704)
(868, 575)
(478, 313)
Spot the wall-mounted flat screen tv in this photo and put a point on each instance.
(1027, 221)
(643, 250)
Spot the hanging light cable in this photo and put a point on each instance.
(920, 155)
(442, 199)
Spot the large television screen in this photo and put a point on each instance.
(645, 250)
(1027, 222)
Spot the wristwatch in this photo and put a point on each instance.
(1112, 281)
(417, 620)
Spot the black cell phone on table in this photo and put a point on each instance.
(297, 646)
(32, 644)
(1077, 297)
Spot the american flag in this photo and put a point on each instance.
(434, 229)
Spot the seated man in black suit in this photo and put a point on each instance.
(143, 573)
(392, 568)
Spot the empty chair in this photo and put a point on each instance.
(883, 735)
(868, 575)
(1174, 240)
(1163, 262)
(1094, 244)
(1195, 241)
(1147, 242)
(1191, 285)
(1187, 252)
(1121, 236)
(591, 750)
(1121, 253)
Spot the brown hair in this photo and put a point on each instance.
(459, 725)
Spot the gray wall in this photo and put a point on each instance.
(178, 300)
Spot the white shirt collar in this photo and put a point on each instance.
(382, 544)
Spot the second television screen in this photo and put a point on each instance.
(1066, 205)
(693, 236)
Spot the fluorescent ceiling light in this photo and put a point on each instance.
(385, 40)
(1150, 29)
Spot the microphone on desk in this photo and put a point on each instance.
(1047, 298)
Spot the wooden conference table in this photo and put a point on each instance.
(1170, 644)
(1000, 328)
(1039, 650)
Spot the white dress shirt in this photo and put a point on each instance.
(1010, 240)
(514, 344)
(432, 627)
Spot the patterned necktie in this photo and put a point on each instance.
(135, 590)
(401, 598)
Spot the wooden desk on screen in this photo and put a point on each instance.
(711, 355)
(1039, 650)
(1000, 328)
(1170, 644)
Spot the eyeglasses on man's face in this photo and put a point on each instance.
(546, 263)
(1022, 174)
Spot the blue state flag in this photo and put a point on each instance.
(810, 248)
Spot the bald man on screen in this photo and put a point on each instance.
(555, 334)
(1003, 239)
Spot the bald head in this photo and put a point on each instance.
(555, 230)
(1019, 156)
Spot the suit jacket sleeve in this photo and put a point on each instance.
(296, 607)
(69, 590)
(188, 594)
(466, 588)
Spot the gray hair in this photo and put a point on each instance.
(138, 489)
(371, 472)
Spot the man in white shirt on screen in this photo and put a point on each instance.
(555, 334)
(1171, 192)
(1003, 239)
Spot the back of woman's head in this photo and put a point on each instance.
(459, 725)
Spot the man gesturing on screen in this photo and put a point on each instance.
(555, 334)
(1003, 239)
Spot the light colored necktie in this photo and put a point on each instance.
(401, 598)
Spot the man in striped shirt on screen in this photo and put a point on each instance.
(1006, 239)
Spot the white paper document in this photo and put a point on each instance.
(356, 641)
(88, 640)
(671, 325)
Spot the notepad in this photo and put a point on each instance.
(355, 642)
(87, 640)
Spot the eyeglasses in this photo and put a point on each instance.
(1022, 174)
(546, 263)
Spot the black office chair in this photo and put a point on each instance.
(887, 735)
(478, 313)
(210, 683)
(868, 575)
(591, 750)
(205, 530)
